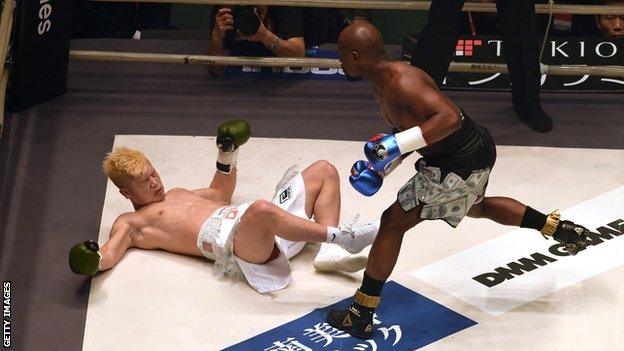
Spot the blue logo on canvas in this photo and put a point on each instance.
(405, 320)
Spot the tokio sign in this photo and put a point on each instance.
(571, 51)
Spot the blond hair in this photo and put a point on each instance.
(123, 164)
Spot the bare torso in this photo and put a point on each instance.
(400, 112)
(172, 224)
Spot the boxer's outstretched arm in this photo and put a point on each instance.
(118, 243)
(230, 136)
(221, 188)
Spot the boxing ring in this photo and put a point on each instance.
(154, 300)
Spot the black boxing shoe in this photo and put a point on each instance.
(356, 321)
(572, 235)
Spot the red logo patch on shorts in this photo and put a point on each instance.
(230, 213)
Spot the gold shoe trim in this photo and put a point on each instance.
(366, 300)
(552, 221)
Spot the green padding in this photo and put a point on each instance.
(393, 24)
(193, 17)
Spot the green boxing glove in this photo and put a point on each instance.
(84, 258)
(230, 136)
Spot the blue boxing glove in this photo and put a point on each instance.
(383, 150)
(364, 178)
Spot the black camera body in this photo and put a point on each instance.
(246, 21)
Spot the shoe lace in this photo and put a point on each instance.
(348, 226)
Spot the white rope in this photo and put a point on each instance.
(563, 70)
(6, 24)
(551, 3)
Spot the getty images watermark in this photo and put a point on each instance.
(6, 314)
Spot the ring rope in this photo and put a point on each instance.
(395, 5)
(4, 80)
(472, 67)
(551, 3)
(6, 24)
(550, 9)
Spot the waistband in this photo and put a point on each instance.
(467, 139)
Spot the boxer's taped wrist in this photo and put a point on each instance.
(410, 140)
(226, 161)
(227, 169)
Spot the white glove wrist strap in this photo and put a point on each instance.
(227, 159)
(410, 140)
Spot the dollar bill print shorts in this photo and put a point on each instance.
(448, 186)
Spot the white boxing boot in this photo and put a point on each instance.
(355, 238)
(332, 258)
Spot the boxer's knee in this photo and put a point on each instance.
(260, 212)
(395, 220)
(319, 174)
(326, 169)
(477, 210)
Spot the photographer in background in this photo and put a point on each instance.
(270, 31)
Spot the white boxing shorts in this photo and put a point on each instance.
(218, 231)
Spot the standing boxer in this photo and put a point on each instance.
(451, 178)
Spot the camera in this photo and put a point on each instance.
(246, 21)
